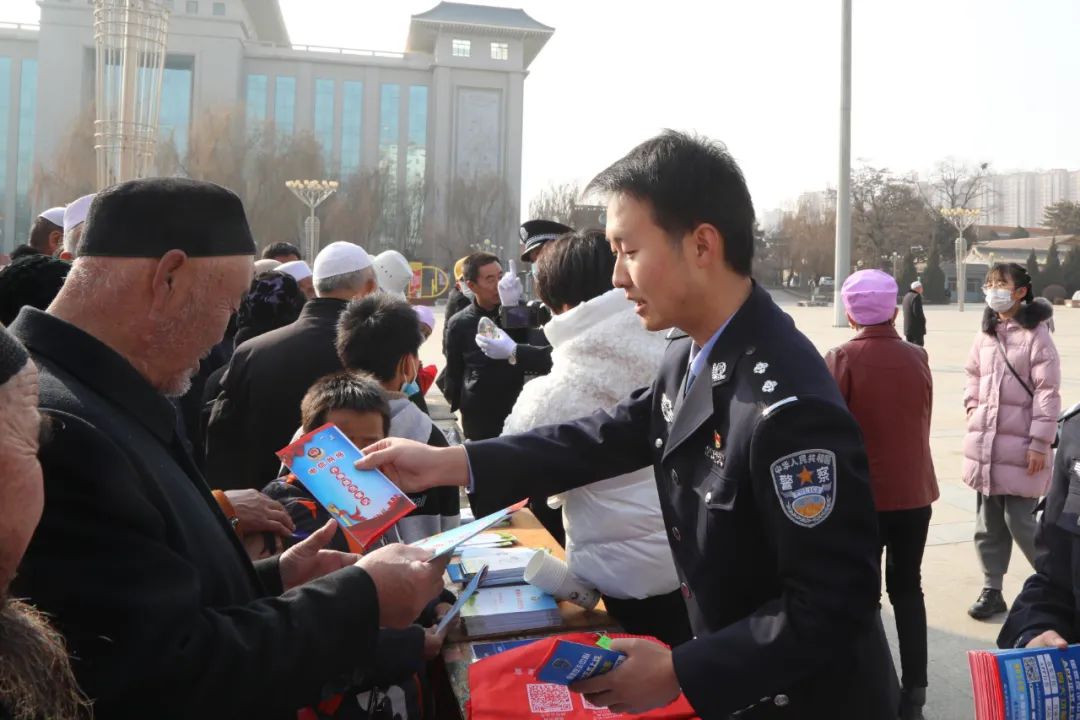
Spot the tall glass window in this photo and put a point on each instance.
(27, 112)
(174, 118)
(285, 103)
(389, 139)
(416, 160)
(256, 100)
(5, 115)
(352, 115)
(324, 120)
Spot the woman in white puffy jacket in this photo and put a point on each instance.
(616, 540)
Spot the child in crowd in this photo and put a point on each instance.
(381, 335)
(358, 406)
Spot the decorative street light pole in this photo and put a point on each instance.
(129, 47)
(961, 219)
(312, 193)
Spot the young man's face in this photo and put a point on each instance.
(648, 266)
(362, 428)
(486, 286)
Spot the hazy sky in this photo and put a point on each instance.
(979, 80)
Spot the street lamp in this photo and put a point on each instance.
(896, 258)
(312, 193)
(961, 219)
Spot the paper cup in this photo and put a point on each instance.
(552, 575)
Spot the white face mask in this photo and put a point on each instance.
(467, 292)
(999, 299)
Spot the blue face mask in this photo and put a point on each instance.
(410, 388)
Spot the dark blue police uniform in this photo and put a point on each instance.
(764, 487)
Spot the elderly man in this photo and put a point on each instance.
(914, 317)
(35, 675)
(144, 574)
(258, 409)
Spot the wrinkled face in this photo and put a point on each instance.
(190, 315)
(486, 286)
(362, 429)
(21, 491)
(648, 265)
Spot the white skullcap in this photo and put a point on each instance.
(426, 315)
(266, 265)
(75, 212)
(916, 285)
(339, 258)
(297, 268)
(393, 271)
(54, 215)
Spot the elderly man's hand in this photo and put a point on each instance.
(259, 513)
(308, 559)
(405, 581)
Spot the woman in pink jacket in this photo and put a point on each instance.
(1012, 403)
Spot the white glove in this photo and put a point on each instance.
(500, 347)
(510, 290)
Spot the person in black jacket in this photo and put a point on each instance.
(258, 408)
(143, 573)
(914, 317)
(459, 298)
(761, 472)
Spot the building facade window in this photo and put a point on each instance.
(25, 157)
(174, 116)
(461, 48)
(324, 120)
(5, 123)
(219, 9)
(389, 143)
(500, 51)
(192, 7)
(352, 119)
(416, 162)
(257, 94)
(285, 104)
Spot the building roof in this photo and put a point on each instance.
(478, 19)
(1019, 249)
(268, 20)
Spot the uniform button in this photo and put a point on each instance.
(685, 590)
(708, 497)
(751, 350)
(676, 534)
(674, 477)
(781, 700)
(659, 443)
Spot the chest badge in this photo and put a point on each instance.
(760, 368)
(769, 386)
(805, 484)
(713, 452)
(719, 372)
(667, 409)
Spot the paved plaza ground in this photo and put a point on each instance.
(951, 576)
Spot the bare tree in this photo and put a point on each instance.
(273, 158)
(887, 215)
(354, 214)
(479, 208)
(805, 243)
(72, 171)
(555, 202)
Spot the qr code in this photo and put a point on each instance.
(549, 698)
(1031, 670)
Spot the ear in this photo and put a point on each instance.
(706, 245)
(851, 323)
(161, 287)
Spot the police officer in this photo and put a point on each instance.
(761, 472)
(1047, 611)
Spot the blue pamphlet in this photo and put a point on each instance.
(462, 599)
(570, 662)
(487, 649)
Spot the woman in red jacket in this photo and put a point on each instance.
(888, 387)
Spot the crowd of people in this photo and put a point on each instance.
(726, 488)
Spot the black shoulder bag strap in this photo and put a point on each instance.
(1001, 347)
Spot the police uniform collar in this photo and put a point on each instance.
(97, 366)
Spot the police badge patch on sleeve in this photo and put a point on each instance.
(805, 484)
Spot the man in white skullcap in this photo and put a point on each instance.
(394, 273)
(914, 317)
(46, 234)
(74, 217)
(258, 408)
(301, 273)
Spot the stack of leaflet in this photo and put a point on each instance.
(1028, 683)
(505, 610)
(506, 566)
(488, 540)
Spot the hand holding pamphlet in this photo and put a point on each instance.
(364, 502)
(462, 599)
(569, 662)
(1028, 683)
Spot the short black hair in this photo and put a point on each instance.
(375, 332)
(474, 262)
(575, 268)
(39, 234)
(353, 391)
(281, 248)
(689, 180)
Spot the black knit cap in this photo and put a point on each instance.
(12, 356)
(148, 218)
(32, 280)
